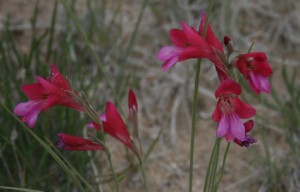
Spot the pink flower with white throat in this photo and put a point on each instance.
(230, 110)
(256, 70)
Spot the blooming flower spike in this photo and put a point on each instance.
(256, 70)
(230, 110)
(44, 94)
(70, 142)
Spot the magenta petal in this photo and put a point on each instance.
(264, 83)
(229, 137)
(178, 37)
(57, 79)
(228, 87)
(223, 126)
(169, 63)
(29, 110)
(237, 127)
(93, 125)
(168, 52)
(31, 118)
(259, 83)
(103, 118)
(242, 109)
(210, 36)
(217, 114)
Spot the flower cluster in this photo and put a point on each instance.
(189, 43)
(56, 91)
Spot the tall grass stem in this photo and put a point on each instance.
(195, 104)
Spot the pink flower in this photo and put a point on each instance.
(188, 43)
(230, 110)
(70, 142)
(114, 125)
(248, 139)
(44, 94)
(256, 70)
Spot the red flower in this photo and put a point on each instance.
(256, 70)
(114, 125)
(248, 139)
(188, 43)
(44, 94)
(230, 110)
(70, 142)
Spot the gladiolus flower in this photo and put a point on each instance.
(70, 142)
(44, 94)
(256, 70)
(248, 139)
(188, 43)
(114, 125)
(230, 110)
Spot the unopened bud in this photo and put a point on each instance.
(227, 40)
(228, 43)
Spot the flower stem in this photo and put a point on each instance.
(113, 170)
(223, 167)
(107, 152)
(192, 144)
(212, 167)
(195, 104)
(144, 175)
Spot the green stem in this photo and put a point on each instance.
(113, 170)
(106, 150)
(195, 104)
(211, 169)
(192, 144)
(144, 175)
(223, 167)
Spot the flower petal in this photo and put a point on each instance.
(223, 126)
(29, 110)
(70, 142)
(57, 79)
(117, 125)
(248, 125)
(237, 127)
(34, 91)
(217, 114)
(178, 37)
(228, 87)
(242, 109)
(210, 35)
